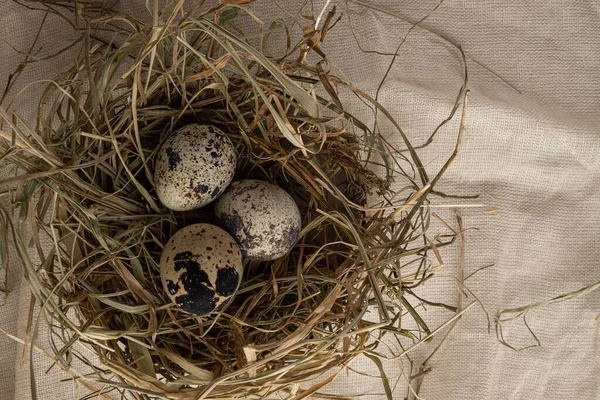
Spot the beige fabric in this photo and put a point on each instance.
(533, 157)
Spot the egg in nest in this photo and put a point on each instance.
(193, 167)
(263, 218)
(201, 268)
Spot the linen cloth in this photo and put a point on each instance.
(533, 156)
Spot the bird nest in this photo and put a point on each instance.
(89, 228)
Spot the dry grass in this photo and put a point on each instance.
(84, 178)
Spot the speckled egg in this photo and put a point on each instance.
(262, 218)
(201, 268)
(193, 167)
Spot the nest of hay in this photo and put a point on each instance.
(84, 181)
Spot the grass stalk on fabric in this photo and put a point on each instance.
(83, 179)
(511, 314)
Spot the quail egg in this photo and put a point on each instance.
(262, 218)
(201, 268)
(193, 167)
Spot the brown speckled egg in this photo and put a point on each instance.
(262, 218)
(201, 268)
(193, 167)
